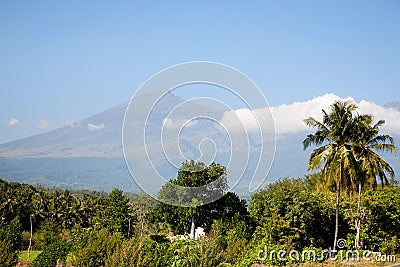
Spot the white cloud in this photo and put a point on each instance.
(257, 123)
(43, 125)
(11, 122)
(95, 127)
(288, 118)
(71, 123)
(240, 119)
(170, 123)
(391, 116)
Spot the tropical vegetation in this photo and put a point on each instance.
(350, 197)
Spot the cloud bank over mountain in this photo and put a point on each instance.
(88, 153)
(43, 125)
(11, 122)
(95, 127)
(288, 118)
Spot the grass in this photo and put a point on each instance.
(23, 255)
(69, 258)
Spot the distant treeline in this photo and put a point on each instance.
(115, 229)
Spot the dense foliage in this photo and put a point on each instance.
(10, 242)
(288, 214)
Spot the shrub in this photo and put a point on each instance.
(265, 254)
(10, 243)
(135, 252)
(25, 235)
(390, 245)
(148, 252)
(195, 253)
(96, 248)
(7, 256)
(51, 254)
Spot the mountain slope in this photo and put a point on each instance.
(88, 153)
(96, 136)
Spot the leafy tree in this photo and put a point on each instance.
(117, 213)
(51, 254)
(381, 226)
(16, 201)
(366, 143)
(141, 206)
(204, 181)
(288, 213)
(192, 174)
(334, 155)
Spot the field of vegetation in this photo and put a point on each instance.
(350, 203)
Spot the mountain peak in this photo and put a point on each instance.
(393, 104)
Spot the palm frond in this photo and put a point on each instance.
(315, 124)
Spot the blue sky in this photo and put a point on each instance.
(63, 60)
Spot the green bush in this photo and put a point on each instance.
(51, 254)
(148, 252)
(7, 257)
(126, 255)
(265, 254)
(96, 248)
(288, 211)
(229, 238)
(39, 240)
(10, 243)
(380, 229)
(135, 252)
(209, 254)
(195, 253)
(390, 245)
(25, 235)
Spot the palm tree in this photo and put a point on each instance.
(370, 165)
(334, 155)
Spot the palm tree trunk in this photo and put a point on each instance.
(337, 216)
(357, 220)
(192, 229)
(30, 237)
(129, 227)
(337, 205)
